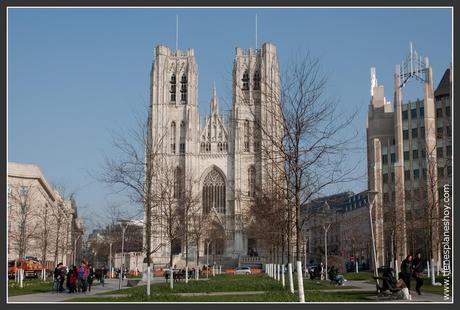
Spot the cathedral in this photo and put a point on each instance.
(225, 155)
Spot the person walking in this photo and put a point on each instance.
(82, 277)
(90, 277)
(72, 280)
(417, 268)
(406, 270)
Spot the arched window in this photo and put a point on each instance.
(202, 147)
(245, 80)
(256, 80)
(177, 183)
(182, 138)
(208, 147)
(225, 147)
(251, 181)
(219, 146)
(183, 89)
(173, 137)
(213, 194)
(246, 135)
(173, 88)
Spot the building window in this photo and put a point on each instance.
(177, 183)
(257, 80)
(421, 112)
(405, 134)
(414, 133)
(385, 178)
(448, 131)
(439, 112)
(449, 150)
(173, 137)
(246, 135)
(448, 111)
(407, 175)
(393, 157)
(413, 113)
(182, 138)
(405, 115)
(213, 194)
(440, 172)
(385, 159)
(225, 147)
(219, 147)
(415, 154)
(203, 147)
(245, 80)
(439, 132)
(416, 174)
(406, 155)
(208, 147)
(251, 181)
(173, 88)
(439, 152)
(183, 89)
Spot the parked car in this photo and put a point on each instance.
(243, 270)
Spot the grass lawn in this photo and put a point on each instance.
(361, 276)
(31, 286)
(282, 296)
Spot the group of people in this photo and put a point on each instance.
(413, 268)
(78, 278)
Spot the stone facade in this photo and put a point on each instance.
(409, 159)
(41, 223)
(220, 160)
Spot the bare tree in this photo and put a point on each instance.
(306, 140)
(132, 171)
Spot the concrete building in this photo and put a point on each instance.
(409, 160)
(41, 223)
(348, 235)
(220, 160)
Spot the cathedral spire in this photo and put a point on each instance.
(214, 102)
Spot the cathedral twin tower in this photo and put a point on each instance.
(221, 161)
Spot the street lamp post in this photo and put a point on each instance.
(75, 250)
(326, 229)
(110, 259)
(124, 224)
(207, 258)
(374, 252)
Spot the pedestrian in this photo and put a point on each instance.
(417, 269)
(90, 277)
(59, 277)
(82, 277)
(406, 270)
(72, 280)
(103, 273)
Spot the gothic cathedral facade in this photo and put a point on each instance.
(222, 158)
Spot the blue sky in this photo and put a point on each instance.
(77, 75)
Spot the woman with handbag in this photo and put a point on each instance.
(418, 267)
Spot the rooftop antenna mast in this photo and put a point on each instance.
(256, 33)
(177, 32)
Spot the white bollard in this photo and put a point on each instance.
(171, 278)
(220, 269)
(282, 276)
(428, 267)
(186, 274)
(111, 274)
(197, 272)
(21, 278)
(148, 280)
(396, 268)
(300, 282)
(270, 270)
(213, 271)
(279, 271)
(433, 278)
(356, 263)
(291, 280)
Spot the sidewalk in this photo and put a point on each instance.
(52, 297)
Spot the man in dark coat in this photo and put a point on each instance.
(406, 270)
(418, 267)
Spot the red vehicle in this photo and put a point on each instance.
(32, 267)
